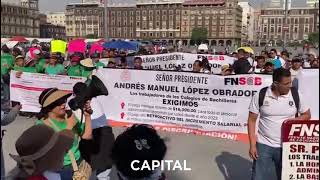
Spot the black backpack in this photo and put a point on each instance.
(294, 92)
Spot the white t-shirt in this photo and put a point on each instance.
(294, 73)
(273, 112)
(98, 117)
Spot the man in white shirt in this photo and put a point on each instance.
(277, 106)
(296, 67)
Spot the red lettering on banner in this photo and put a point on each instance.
(244, 81)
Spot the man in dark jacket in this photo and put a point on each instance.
(242, 65)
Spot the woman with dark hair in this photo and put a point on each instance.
(197, 66)
(142, 143)
(206, 66)
(54, 114)
(123, 63)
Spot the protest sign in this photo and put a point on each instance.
(58, 46)
(96, 47)
(193, 103)
(29, 86)
(77, 45)
(171, 60)
(300, 157)
(308, 85)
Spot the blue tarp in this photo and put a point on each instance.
(121, 45)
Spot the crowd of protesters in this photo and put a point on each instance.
(64, 132)
(263, 63)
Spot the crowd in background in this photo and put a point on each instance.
(140, 141)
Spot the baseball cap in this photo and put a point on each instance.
(19, 57)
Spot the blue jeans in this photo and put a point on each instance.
(269, 163)
(66, 173)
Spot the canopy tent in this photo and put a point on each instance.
(19, 39)
(11, 44)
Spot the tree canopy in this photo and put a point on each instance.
(199, 35)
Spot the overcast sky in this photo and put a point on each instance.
(59, 5)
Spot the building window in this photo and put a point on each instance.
(265, 29)
(272, 29)
(272, 21)
(296, 20)
(307, 20)
(151, 34)
(306, 29)
(164, 18)
(279, 29)
(279, 20)
(171, 34)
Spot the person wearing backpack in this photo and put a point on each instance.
(274, 104)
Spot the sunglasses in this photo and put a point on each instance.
(60, 102)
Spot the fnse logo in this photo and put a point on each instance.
(304, 130)
(212, 58)
(252, 81)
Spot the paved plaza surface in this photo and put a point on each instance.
(209, 158)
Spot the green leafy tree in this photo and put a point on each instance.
(92, 36)
(314, 38)
(199, 35)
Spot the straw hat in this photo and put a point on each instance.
(42, 153)
(87, 63)
(226, 68)
(19, 57)
(52, 95)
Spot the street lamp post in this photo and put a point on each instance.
(106, 19)
(285, 24)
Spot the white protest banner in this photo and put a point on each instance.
(171, 60)
(29, 86)
(181, 102)
(308, 84)
(300, 152)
